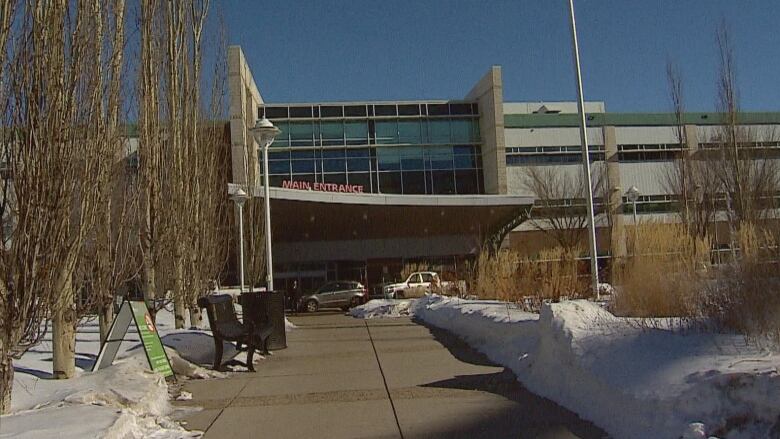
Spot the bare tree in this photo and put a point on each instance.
(748, 176)
(152, 176)
(693, 179)
(560, 211)
(55, 159)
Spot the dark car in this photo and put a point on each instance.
(338, 294)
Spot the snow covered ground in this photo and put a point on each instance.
(633, 382)
(126, 400)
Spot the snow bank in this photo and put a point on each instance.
(634, 383)
(126, 400)
(383, 308)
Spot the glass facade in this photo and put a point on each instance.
(420, 148)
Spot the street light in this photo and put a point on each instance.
(594, 265)
(265, 132)
(633, 195)
(240, 197)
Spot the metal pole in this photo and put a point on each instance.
(594, 270)
(636, 228)
(269, 264)
(241, 243)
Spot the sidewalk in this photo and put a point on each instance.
(348, 378)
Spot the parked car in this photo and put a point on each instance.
(339, 294)
(417, 284)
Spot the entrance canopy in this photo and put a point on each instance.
(310, 225)
(301, 215)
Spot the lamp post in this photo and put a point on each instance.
(265, 132)
(240, 197)
(633, 195)
(594, 265)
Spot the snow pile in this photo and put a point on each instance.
(633, 382)
(124, 401)
(288, 325)
(380, 308)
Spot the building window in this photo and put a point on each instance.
(340, 178)
(386, 132)
(340, 144)
(390, 183)
(466, 182)
(332, 133)
(356, 132)
(439, 130)
(333, 160)
(414, 182)
(443, 182)
(301, 134)
(409, 131)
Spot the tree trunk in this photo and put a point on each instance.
(149, 283)
(178, 310)
(178, 291)
(6, 381)
(196, 317)
(64, 336)
(105, 318)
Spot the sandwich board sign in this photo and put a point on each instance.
(129, 312)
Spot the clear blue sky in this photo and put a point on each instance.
(309, 50)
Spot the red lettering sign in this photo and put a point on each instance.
(323, 187)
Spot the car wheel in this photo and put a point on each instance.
(399, 295)
(312, 306)
(355, 301)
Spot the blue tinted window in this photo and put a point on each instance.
(386, 131)
(358, 164)
(307, 154)
(356, 131)
(302, 166)
(278, 167)
(439, 157)
(461, 131)
(283, 138)
(409, 131)
(358, 160)
(388, 159)
(465, 161)
(475, 136)
(412, 158)
(301, 134)
(439, 130)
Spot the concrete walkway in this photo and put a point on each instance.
(392, 378)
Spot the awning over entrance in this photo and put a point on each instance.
(316, 226)
(299, 215)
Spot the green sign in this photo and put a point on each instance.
(158, 359)
(136, 312)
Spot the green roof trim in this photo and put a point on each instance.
(633, 119)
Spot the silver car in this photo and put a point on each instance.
(339, 294)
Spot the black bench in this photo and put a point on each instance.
(225, 326)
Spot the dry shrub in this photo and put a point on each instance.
(554, 274)
(745, 296)
(665, 273)
(495, 276)
(549, 276)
